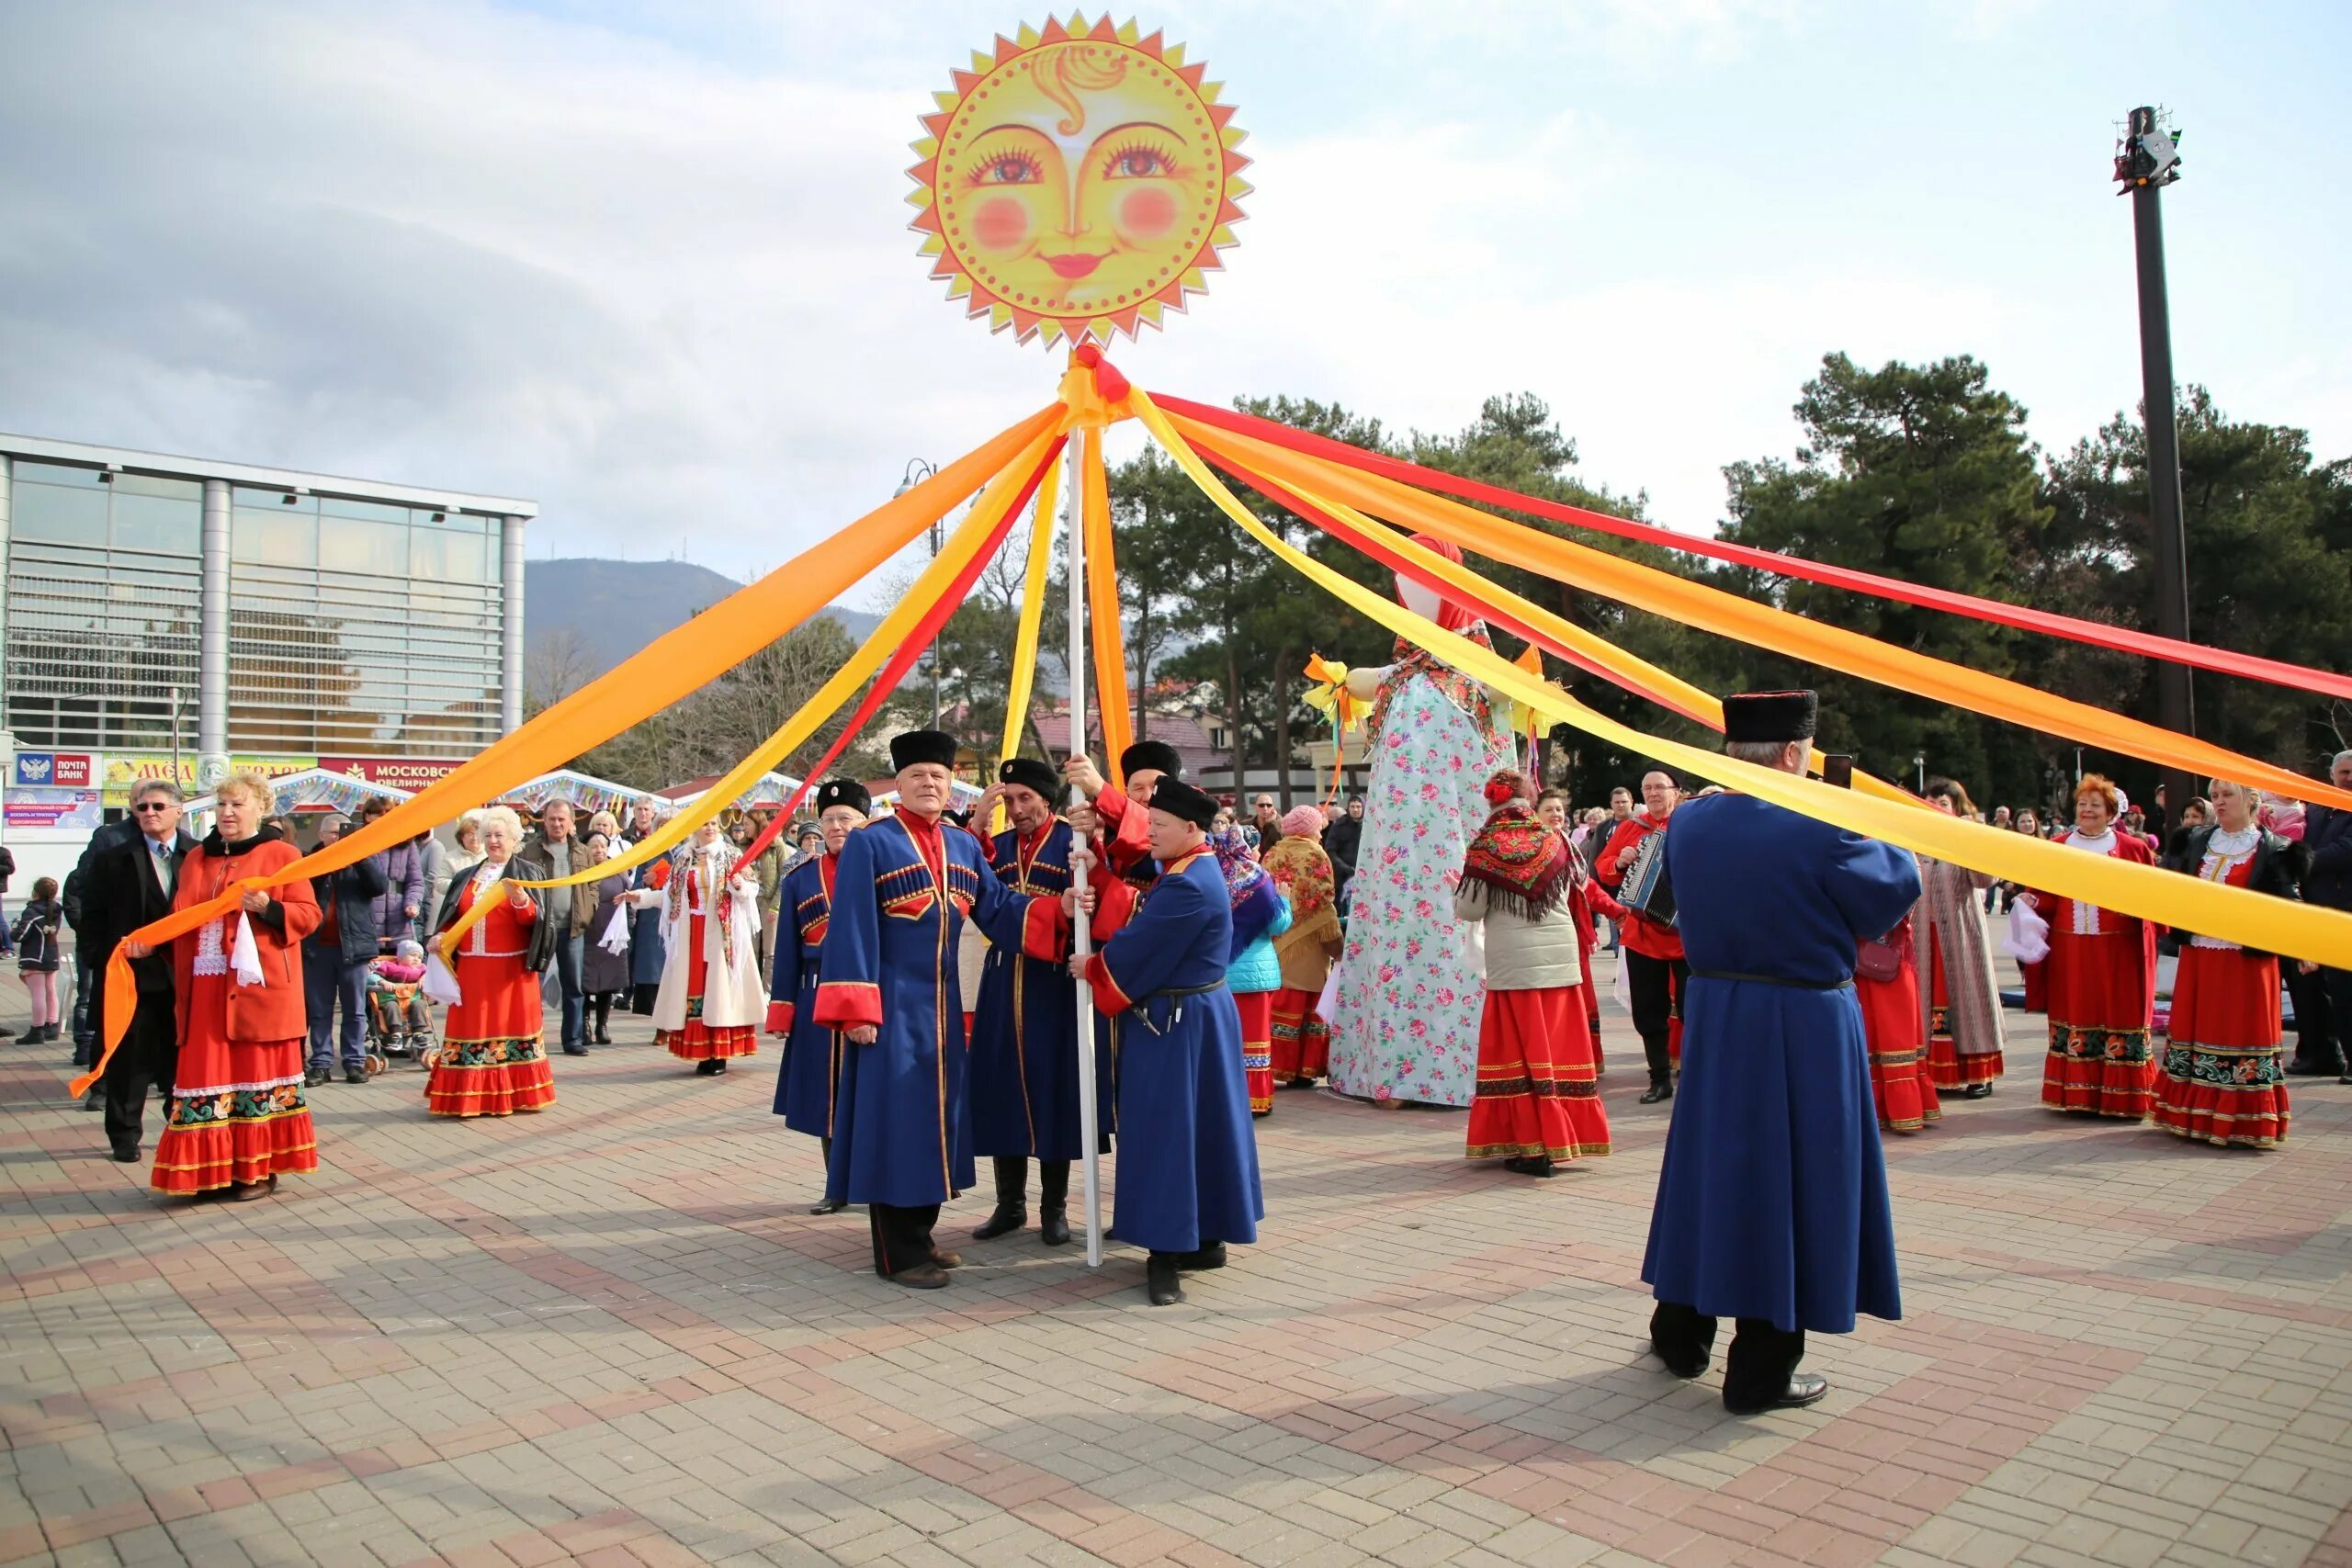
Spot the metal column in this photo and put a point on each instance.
(510, 629)
(212, 640)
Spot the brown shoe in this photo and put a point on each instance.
(946, 1259)
(922, 1277)
(246, 1191)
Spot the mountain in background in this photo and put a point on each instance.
(610, 609)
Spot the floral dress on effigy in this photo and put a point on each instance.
(1410, 985)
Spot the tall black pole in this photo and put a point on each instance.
(2176, 705)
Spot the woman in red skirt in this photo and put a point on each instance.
(236, 1118)
(711, 1002)
(1891, 1024)
(1301, 873)
(1254, 975)
(2223, 1080)
(2101, 978)
(1537, 1103)
(491, 1061)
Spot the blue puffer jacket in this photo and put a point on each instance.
(1264, 916)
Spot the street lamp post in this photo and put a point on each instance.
(918, 470)
(2149, 160)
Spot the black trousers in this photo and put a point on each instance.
(148, 1057)
(1656, 985)
(901, 1235)
(1762, 1358)
(2334, 1050)
(2319, 1023)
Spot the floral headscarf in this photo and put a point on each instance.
(1243, 875)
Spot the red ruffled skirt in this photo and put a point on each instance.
(490, 1062)
(2101, 1059)
(2222, 1082)
(1899, 1081)
(1947, 1068)
(1257, 1009)
(236, 1114)
(1302, 1041)
(1536, 1094)
(697, 1040)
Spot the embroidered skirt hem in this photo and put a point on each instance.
(698, 1041)
(1536, 1094)
(1302, 1041)
(1257, 1010)
(2098, 1072)
(490, 1078)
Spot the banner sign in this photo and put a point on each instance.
(36, 806)
(125, 768)
(409, 774)
(57, 770)
(1077, 181)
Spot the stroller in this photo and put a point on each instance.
(400, 1015)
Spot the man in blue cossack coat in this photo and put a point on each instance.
(1772, 1204)
(886, 977)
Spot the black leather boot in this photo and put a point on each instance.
(1012, 1197)
(826, 1205)
(605, 1019)
(1160, 1283)
(1053, 1202)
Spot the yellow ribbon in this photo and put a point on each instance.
(1760, 625)
(885, 640)
(2255, 919)
(1024, 637)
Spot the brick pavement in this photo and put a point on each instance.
(612, 1334)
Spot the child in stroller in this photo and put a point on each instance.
(399, 1019)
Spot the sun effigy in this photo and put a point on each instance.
(1077, 181)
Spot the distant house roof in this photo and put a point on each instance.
(1185, 734)
(770, 789)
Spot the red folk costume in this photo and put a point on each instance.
(2222, 1082)
(1900, 1082)
(2100, 984)
(1300, 1051)
(710, 1004)
(1536, 1098)
(236, 1114)
(491, 1062)
(1654, 942)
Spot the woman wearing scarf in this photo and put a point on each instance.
(1253, 977)
(491, 1061)
(236, 1117)
(2099, 985)
(1304, 876)
(1537, 1102)
(710, 1004)
(1959, 1002)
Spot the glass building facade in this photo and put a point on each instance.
(340, 617)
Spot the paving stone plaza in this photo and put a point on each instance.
(613, 1333)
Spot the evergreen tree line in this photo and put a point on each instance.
(1922, 473)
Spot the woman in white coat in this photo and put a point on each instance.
(711, 1002)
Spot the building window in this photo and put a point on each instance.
(103, 593)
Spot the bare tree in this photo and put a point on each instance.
(558, 662)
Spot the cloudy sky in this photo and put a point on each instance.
(647, 263)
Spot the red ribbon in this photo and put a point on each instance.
(2123, 639)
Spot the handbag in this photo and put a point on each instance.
(1878, 959)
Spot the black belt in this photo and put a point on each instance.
(1173, 1011)
(1837, 985)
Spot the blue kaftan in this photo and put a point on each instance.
(1024, 1031)
(1188, 1158)
(902, 1133)
(812, 1053)
(1772, 1201)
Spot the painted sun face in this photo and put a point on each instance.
(1078, 181)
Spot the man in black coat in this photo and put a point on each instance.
(2320, 1044)
(336, 959)
(1342, 840)
(125, 881)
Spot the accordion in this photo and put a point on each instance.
(1645, 889)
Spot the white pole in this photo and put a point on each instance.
(1082, 939)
